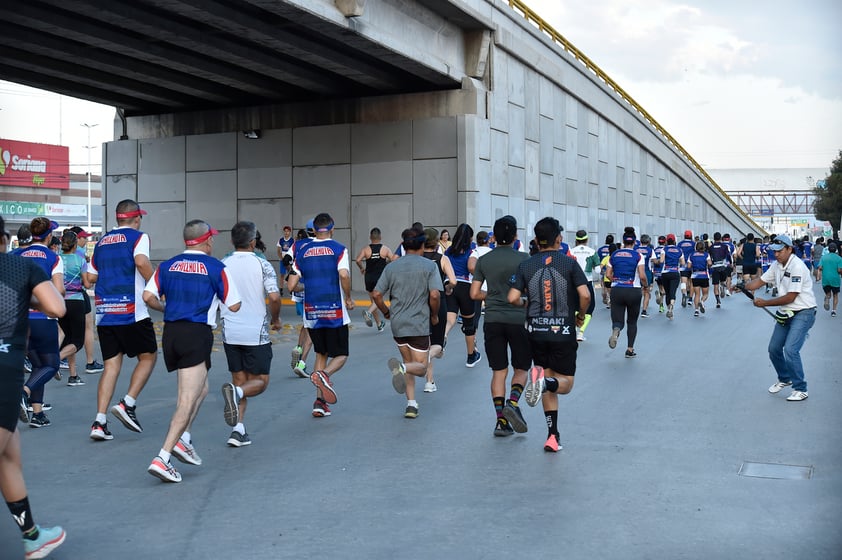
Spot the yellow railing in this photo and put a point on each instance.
(545, 27)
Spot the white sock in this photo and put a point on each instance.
(165, 455)
(129, 401)
(412, 403)
(240, 429)
(101, 418)
(186, 437)
(239, 391)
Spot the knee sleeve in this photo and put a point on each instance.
(469, 327)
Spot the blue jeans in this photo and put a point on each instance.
(785, 348)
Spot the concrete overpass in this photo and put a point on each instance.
(381, 112)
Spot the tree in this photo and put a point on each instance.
(828, 203)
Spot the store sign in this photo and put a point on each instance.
(25, 164)
(61, 210)
(10, 208)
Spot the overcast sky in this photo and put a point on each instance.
(738, 83)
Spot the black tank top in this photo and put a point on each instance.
(375, 264)
(435, 256)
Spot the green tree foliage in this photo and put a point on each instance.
(828, 204)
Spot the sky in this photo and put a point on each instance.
(739, 83)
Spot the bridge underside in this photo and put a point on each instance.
(168, 56)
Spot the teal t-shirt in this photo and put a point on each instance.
(830, 265)
(74, 266)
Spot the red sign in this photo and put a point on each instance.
(24, 164)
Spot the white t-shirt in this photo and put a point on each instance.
(254, 278)
(794, 277)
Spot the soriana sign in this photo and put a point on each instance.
(24, 164)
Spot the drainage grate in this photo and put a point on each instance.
(774, 470)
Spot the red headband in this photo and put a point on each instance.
(202, 238)
(132, 214)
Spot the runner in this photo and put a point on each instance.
(119, 269)
(657, 263)
(448, 279)
(646, 251)
(589, 261)
(193, 284)
(673, 262)
(720, 258)
(245, 333)
(628, 278)
(43, 350)
(302, 349)
(729, 270)
(73, 322)
(700, 262)
(687, 246)
(283, 246)
(503, 328)
(20, 280)
(459, 303)
(322, 264)
(829, 269)
(413, 285)
(376, 257)
(749, 252)
(483, 247)
(92, 366)
(552, 284)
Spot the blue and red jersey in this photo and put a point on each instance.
(318, 262)
(624, 264)
(687, 246)
(193, 285)
(47, 260)
(699, 265)
(119, 285)
(672, 259)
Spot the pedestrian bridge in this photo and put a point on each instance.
(380, 112)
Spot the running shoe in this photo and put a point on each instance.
(696, 313)
(718, 305)
(702, 306)
(75, 381)
(430, 387)
(644, 314)
(49, 539)
(94, 367)
(46, 407)
(612, 340)
(777, 387)
(683, 300)
(186, 453)
(300, 369)
(552, 444)
(25, 412)
(382, 326)
(231, 411)
(27, 365)
(320, 408)
(473, 359)
(410, 412)
(833, 313)
(322, 382)
(827, 304)
(57, 375)
(580, 336)
(163, 470)
(515, 418)
(534, 385)
(794, 396)
(39, 420)
(631, 354)
(126, 415)
(658, 299)
(661, 308)
(62, 364)
(502, 428)
(296, 356)
(100, 432)
(368, 318)
(669, 312)
(398, 380)
(238, 440)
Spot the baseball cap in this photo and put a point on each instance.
(505, 230)
(581, 235)
(432, 235)
(688, 233)
(80, 232)
(670, 237)
(781, 241)
(662, 238)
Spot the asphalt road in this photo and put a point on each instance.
(652, 451)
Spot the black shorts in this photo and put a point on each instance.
(750, 269)
(718, 275)
(371, 281)
(186, 344)
(73, 324)
(729, 270)
(831, 289)
(459, 301)
(499, 337)
(254, 360)
(701, 282)
(417, 343)
(557, 356)
(88, 307)
(131, 340)
(11, 384)
(437, 331)
(330, 342)
(685, 273)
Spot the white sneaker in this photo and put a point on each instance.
(186, 453)
(398, 371)
(777, 387)
(797, 396)
(430, 387)
(612, 341)
(580, 336)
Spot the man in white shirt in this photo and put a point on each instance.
(795, 317)
(245, 334)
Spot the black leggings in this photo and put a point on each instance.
(43, 354)
(670, 282)
(626, 300)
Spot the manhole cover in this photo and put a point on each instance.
(774, 470)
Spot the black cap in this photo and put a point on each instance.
(505, 230)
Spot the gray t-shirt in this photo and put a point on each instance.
(497, 268)
(407, 283)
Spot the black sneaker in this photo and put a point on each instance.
(39, 420)
(94, 367)
(473, 359)
(100, 432)
(25, 412)
(631, 354)
(126, 415)
(74, 381)
(238, 440)
(231, 410)
(502, 429)
(514, 417)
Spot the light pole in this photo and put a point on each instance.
(89, 148)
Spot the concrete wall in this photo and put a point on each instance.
(537, 135)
